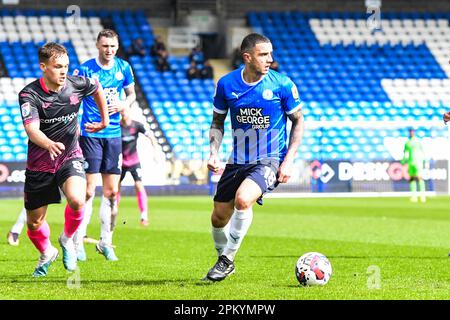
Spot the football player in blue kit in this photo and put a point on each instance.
(103, 150)
(259, 101)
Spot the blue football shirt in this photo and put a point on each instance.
(113, 80)
(258, 114)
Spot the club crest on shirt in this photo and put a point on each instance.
(76, 72)
(26, 109)
(119, 76)
(74, 99)
(294, 92)
(267, 94)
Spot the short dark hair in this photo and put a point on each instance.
(251, 40)
(107, 33)
(49, 50)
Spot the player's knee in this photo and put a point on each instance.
(111, 193)
(34, 224)
(243, 202)
(76, 203)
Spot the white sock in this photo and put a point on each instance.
(107, 219)
(21, 220)
(220, 237)
(144, 215)
(82, 229)
(239, 224)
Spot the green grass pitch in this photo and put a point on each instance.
(379, 248)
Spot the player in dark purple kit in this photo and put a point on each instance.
(49, 108)
(130, 162)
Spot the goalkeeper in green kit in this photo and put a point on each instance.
(415, 156)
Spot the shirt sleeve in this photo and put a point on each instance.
(290, 98)
(128, 77)
(140, 128)
(220, 104)
(28, 108)
(90, 86)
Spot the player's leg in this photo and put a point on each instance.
(220, 224)
(111, 171)
(108, 215)
(91, 184)
(421, 184)
(40, 190)
(258, 180)
(92, 151)
(72, 179)
(246, 196)
(413, 189)
(412, 171)
(81, 233)
(241, 213)
(142, 198)
(122, 176)
(223, 209)
(231, 179)
(16, 230)
(141, 194)
(39, 233)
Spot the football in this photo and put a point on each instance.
(313, 269)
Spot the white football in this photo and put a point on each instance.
(313, 269)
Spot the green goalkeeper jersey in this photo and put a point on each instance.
(413, 153)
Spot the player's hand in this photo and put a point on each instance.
(55, 149)
(213, 164)
(446, 117)
(285, 171)
(118, 107)
(95, 126)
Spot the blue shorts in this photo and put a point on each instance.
(103, 155)
(265, 176)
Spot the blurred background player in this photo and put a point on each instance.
(103, 150)
(414, 155)
(131, 163)
(259, 100)
(49, 108)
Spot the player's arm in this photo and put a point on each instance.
(149, 134)
(100, 100)
(295, 139)
(40, 139)
(216, 132)
(124, 104)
